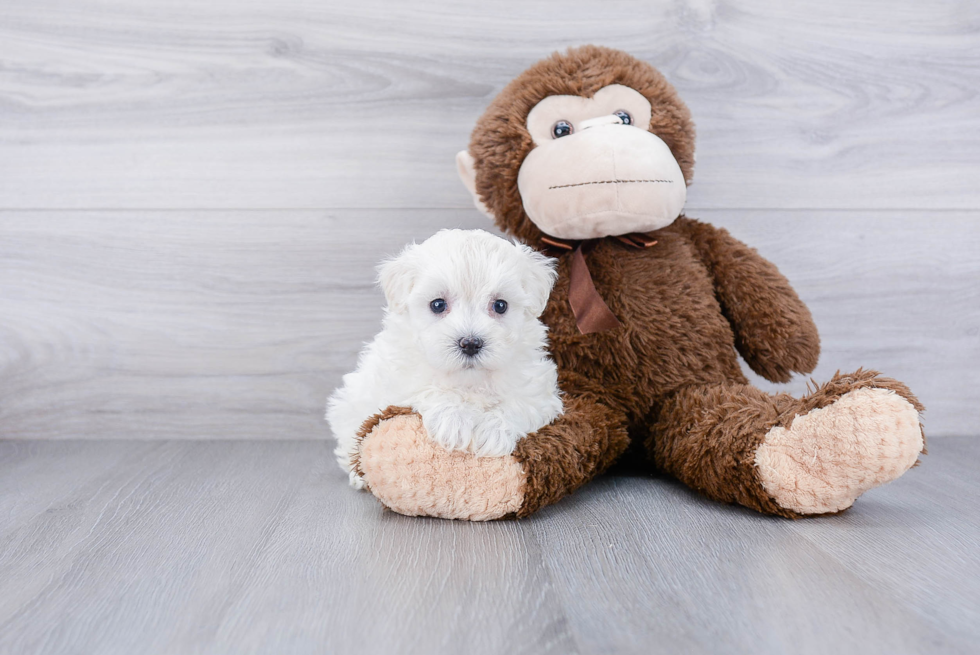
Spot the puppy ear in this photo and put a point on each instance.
(538, 276)
(397, 276)
(466, 168)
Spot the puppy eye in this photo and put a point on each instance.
(561, 128)
(438, 306)
(500, 306)
(624, 116)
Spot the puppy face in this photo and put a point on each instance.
(467, 297)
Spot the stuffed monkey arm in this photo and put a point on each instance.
(412, 475)
(774, 330)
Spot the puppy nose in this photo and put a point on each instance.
(470, 345)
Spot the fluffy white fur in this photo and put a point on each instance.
(483, 404)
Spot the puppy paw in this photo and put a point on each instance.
(483, 433)
(493, 437)
(828, 457)
(412, 475)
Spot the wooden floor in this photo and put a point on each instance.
(259, 547)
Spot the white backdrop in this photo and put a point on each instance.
(193, 194)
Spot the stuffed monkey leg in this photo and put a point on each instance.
(787, 456)
(411, 475)
(561, 457)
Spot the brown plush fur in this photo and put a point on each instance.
(674, 300)
(669, 377)
(563, 456)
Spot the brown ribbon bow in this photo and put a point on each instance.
(591, 312)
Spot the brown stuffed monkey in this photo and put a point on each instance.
(586, 155)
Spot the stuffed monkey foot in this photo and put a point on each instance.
(828, 457)
(787, 456)
(412, 475)
(409, 473)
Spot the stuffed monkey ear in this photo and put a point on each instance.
(396, 277)
(539, 275)
(467, 173)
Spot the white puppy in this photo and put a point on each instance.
(461, 344)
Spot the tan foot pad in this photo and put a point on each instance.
(830, 456)
(410, 474)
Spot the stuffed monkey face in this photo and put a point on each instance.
(582, 145)
(596, 170)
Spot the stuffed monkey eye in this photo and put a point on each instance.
(624, 116)
(438, 306)
(561, 128)
(500, 306)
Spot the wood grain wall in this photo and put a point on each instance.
(193, 194)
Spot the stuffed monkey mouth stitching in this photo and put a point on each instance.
(566, 186)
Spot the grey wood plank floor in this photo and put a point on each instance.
(260, 547)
